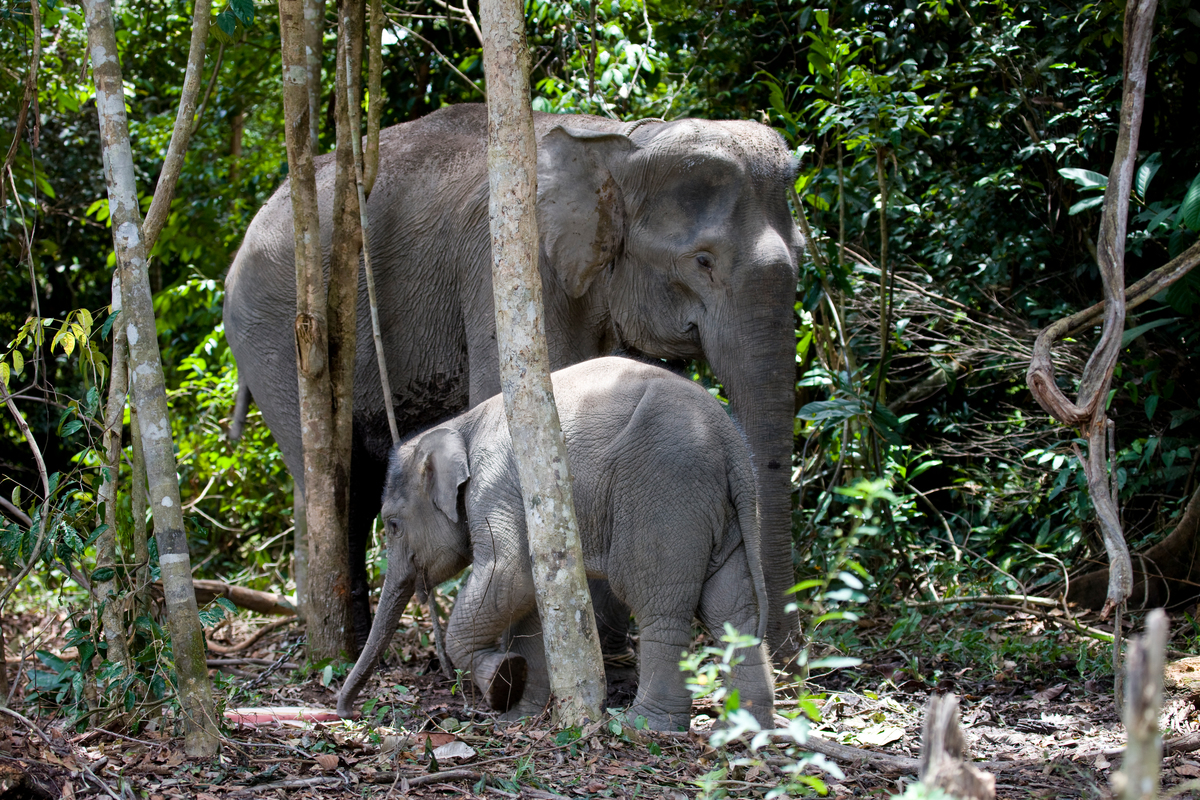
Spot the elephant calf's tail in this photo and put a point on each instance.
(240, 409)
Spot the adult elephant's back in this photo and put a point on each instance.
(669, 239)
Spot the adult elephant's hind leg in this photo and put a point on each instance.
(366, 493)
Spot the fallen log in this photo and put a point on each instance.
(240, 596)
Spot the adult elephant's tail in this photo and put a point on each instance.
(240, 409)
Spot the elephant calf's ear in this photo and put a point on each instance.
(581, 214)
(445, 468)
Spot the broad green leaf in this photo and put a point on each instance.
(1189, 212)
(71, 427)
(1084, 205)
(18, 361)
(1145, 174)
(1084, 178)
(1134, 333)
(243, 10)
(103, 575)
(226, 22)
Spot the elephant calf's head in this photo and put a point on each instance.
(425, 524)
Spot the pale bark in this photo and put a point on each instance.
(139, 503)
(156, 216)
(1139, 775)
(300, 549)
(1088, 411)
(375, 97)
(327, 604)
(105, 592)
(314, 28)
(572, 645)
(148, 386)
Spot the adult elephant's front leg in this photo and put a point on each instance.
(491, 601)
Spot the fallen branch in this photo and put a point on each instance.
(240, 596)
(894, 765)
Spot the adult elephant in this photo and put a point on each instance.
(671, 239)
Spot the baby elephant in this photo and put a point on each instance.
(665, 497)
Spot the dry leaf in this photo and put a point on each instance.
(327, 761)
(435, 739)
(1050, 693)
(879, 735)
(454, 750)
(1101, 762)
(1188, 770)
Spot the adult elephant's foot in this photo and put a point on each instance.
(501, 676)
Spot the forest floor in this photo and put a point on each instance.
(1031, 719)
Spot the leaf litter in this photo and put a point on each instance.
(424, 736)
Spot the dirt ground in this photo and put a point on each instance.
(1040, 734)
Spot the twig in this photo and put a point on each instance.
(15, 514)
(28, 723)
(260, 633)
(42, 522)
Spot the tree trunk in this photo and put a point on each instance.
(149, 386)
(1088, 411)
(572, 647)
(104, 592)
(327, 605)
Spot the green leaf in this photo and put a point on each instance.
(1189, 212)
(103, 575)
(227, 604)
(1134, 333)
(71, 427)
(1084, 178)
(1145, 174)
(835, 662)
(1084, 205)
(1151, 405)
(243, 10)
(226, 22)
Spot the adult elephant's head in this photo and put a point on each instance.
(685, 229)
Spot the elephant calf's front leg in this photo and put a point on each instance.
(485, 608)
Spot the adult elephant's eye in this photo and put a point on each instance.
(704, 261)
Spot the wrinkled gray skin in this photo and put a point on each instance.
(665, 497)
(675, 241)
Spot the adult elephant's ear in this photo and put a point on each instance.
(444, 468)
(581, 213)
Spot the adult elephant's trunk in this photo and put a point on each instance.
(757, 365)
(398, 588)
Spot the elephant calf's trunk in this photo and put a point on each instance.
(392, 602)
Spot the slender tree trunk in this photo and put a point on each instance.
(156, 216)
(375, 96)
(572, 649)
(314, 30)
(328, 601)
(1088, 412)
(104, 592)
(149, 386)
(139, 502)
